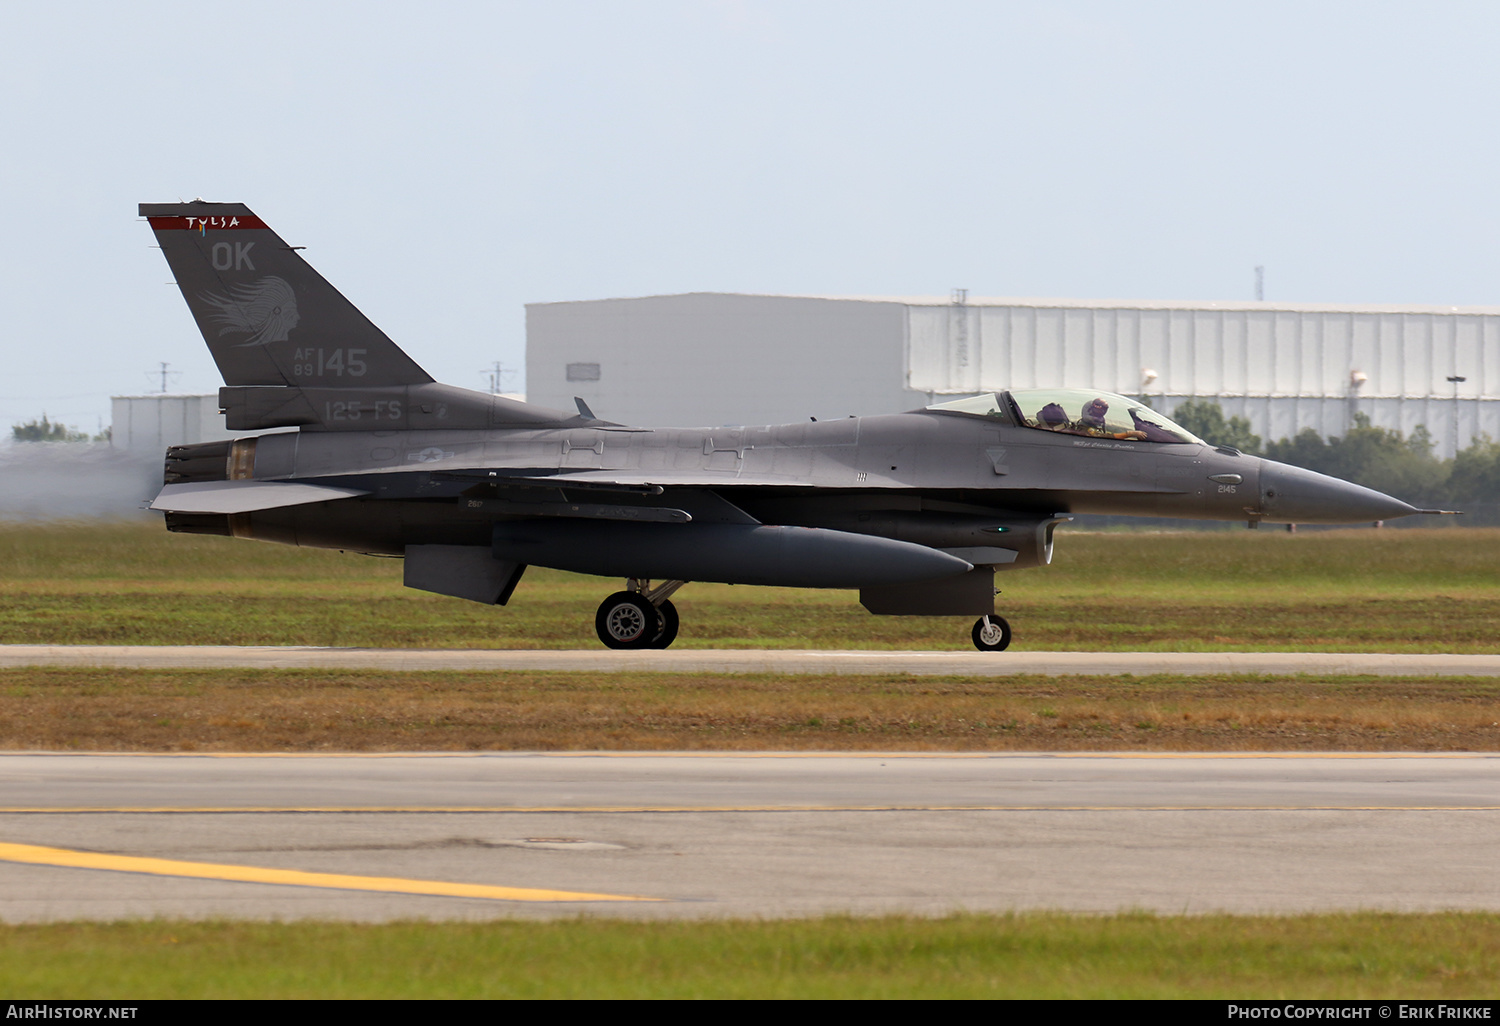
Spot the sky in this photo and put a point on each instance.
(446, 163)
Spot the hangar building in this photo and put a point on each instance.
(717, 358)
(144, 425)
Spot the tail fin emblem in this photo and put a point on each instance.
(266, 310)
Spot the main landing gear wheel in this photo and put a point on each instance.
(991, 634)
(666, 616)
(640, 616)
(625, 620)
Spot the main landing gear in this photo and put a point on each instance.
(643, 617)
(991, 634)
(639, 617)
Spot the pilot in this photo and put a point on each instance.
(1092, 418)
(1092, 422)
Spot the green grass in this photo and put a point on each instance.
(1396, 591)
(1452, 956)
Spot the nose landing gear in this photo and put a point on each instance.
(639, 617)
(991, 634)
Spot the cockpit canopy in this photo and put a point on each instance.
(1074, 411)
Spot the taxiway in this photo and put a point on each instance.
(752, 660)
(516, 834)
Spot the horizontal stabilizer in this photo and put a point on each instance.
(244, 496)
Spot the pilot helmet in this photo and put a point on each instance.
(1093, 413)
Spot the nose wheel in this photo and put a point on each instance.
(642, 617)
(991, 634)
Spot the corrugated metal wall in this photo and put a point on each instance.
(147, 424)
(1282, 368)
(713, 359)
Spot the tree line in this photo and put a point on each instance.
(44, 430)
(1388, 461)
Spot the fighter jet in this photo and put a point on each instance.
(916, 510)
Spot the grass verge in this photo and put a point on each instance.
(1386, 591)
(296, 710)
(1368, 955)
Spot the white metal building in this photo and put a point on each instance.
(146, 424)
(714, 358)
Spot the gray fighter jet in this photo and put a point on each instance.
(916, 510)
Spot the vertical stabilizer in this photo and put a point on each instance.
(267, 316)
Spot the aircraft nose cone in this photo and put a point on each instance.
(1291, 495)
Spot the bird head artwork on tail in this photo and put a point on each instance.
(265, 310)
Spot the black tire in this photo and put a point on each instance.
(666, 615)
(991, 634)
(625, 620)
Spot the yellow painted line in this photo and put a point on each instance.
(37, 855)
(630, 809)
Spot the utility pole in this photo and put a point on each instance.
(164, 374)
(496, 373)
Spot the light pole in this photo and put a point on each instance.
(1456, 380)
(1357, 378)
(1147, 376)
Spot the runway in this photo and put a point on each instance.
(755, 661)
(695, 835)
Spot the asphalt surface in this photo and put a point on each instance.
(752, 660)
(546, 835)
